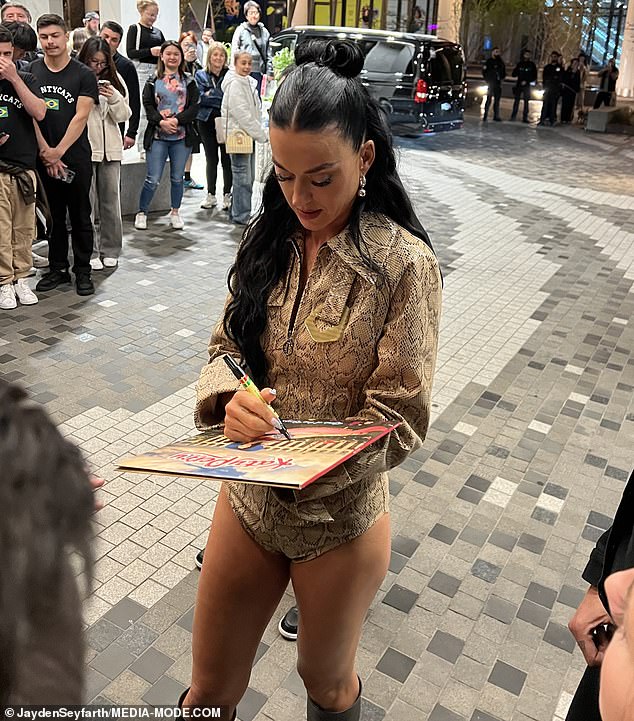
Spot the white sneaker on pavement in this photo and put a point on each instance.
(226, 201)
(25, 295)
(140, 221)
(39, 261)
(7, 297)
(96, 264)
(176, 221)
(110, 262)
(209, 202)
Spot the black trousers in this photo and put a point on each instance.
(568, 98)
(602, 99)
(75, 198)
(494, 94)
(585, 704)
(549, 108)
(522, 92)
(207, 132)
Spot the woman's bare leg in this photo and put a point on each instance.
(334, 593)
(240, 587)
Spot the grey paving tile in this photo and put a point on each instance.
(444, 583)
(482, 716)
(534, 614)
(440, 713)
(405, 546)
(570, 596)
(165, 692)
(250, 705)
(400, 598)
(507, 677)
(396, 665)
(531, 543)
(101, 634)
(397, 562)
(500, 609)
(138, 638)
(124, 613)
(94, 683)
(151, 665)
(559, 636)
(370, 711)
(541, 595)
(486, 571)
(503, 540)
(186, 620)
(443, 534)
(446, 646)
(112, 661)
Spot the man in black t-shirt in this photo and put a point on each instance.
(20, 102)
(112, 33)
(70, 91)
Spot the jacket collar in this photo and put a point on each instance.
(373, 231)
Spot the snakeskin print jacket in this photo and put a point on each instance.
(358, 349)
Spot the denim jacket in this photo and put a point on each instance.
(210, 89)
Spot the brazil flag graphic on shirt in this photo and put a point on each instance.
(4, 111)
(52, 103)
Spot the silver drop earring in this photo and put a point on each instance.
(361, 192)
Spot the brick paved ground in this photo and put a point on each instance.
(493, 519)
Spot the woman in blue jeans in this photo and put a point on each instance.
(171, 104)
(241, 110)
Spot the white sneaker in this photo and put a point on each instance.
(209, 202)
(25, 295)
(7, 297)
(176, 221)
(39, 261)
(96, 264)
(110, 262)
(140, 221)
(226, 201)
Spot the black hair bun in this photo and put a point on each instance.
(343, 57)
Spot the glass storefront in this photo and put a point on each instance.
(603, 28)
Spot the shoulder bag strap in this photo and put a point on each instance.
(138, 36)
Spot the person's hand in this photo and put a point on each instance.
(590, 614)
(56, 170)
(106, 90)
(165, 113)
(128, 142)
(8, 71)
(4, 138)
(169, 126)
(96, 484)
(247, 418)
(50, 156)
(156, 51)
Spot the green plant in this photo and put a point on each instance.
(282, 59)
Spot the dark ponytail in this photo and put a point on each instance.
(324, 91)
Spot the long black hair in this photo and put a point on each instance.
(47, 504)
(89, 49)
(322, 92)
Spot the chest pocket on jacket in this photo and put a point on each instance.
(328, 321)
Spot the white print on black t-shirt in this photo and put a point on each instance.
(57, 90)
(11, 99)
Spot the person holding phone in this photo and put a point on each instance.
(70, 90)
(593, 623)
(107, 152)
(23, 103)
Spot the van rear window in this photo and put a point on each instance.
(390, 57)
(446, 65)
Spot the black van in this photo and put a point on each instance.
(418, 79)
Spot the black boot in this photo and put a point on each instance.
(316, 713)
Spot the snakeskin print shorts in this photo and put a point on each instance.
(267, 519)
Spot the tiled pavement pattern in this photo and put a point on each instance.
(492, 520)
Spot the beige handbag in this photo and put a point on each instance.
(238, 142)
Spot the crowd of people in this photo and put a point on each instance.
(560, 81)
(90, 104)
(361, 348)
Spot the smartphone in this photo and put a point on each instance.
(104, 83)
(68, 176)
(3, 133)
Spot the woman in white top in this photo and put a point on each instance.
(107, 150)
(241, 110)
(143, 47)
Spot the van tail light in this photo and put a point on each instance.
(420, 96)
